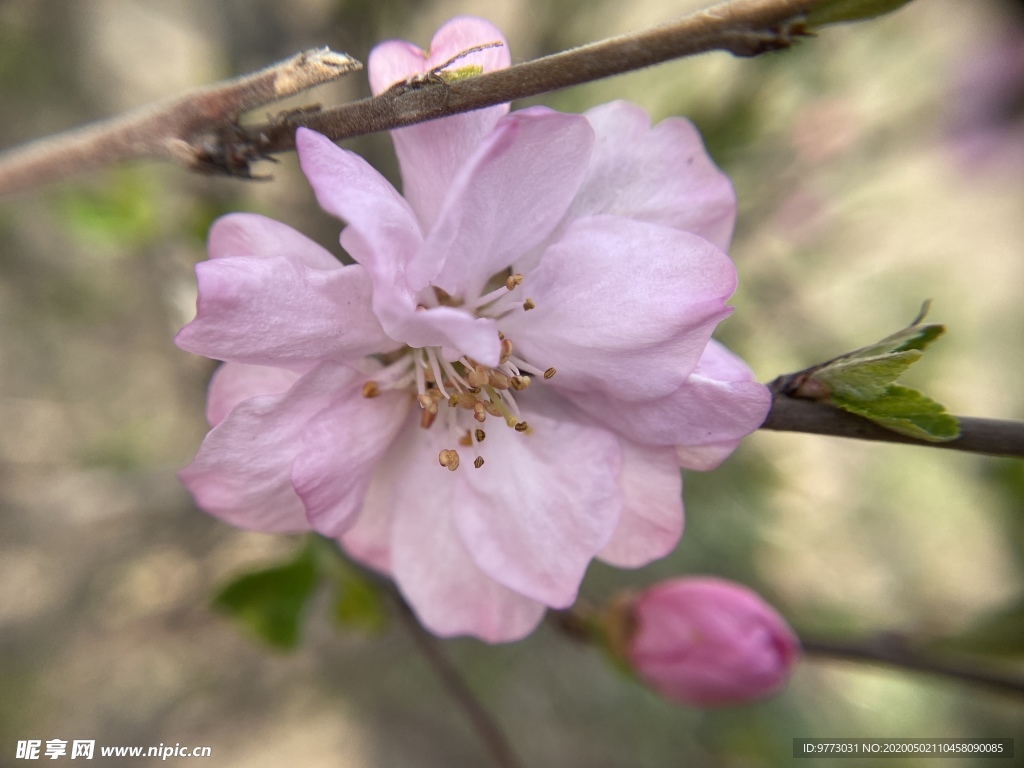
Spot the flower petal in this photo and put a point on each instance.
(382, 232)
(449, 593)
(622, 307)
(249, 234)
(701, 412)
(505, 200)
(535, 514)
(652, 513)
(278, 311)
(662, 175)
(431, 153)
(341, 449)
(242, 472)
(234, 382)
(704, 458)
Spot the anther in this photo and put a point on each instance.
(549, 373)
(519, 383)
(478, 462)
(528, 305)
(453, 400)
(522, 426)
(427, 418)
(479, 434)
(499, 380)
(467, 401)
(479, 413)
(513, 280)
(466, 440)
(449, 459)
(478, 376)
(370, 389)
(427, 403)
(506, 351)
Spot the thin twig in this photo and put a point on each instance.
(486, 727)
(200, 131)
(895, 651)
(989, 436)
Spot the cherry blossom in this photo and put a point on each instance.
(709, 642)
(505, 383)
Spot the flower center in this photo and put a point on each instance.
(463, 393)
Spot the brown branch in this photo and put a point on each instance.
(200, 131)
(989, 436)
(895, 651)
(487, 729)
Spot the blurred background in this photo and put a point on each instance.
(877, 166)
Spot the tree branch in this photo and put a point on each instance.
(989, 436)
(485, 726)
(895, 651)
(200, 131)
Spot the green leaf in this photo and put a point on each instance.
(838, 11)
(271, 603)
(906, 411)
(866, 378)
(358, 604)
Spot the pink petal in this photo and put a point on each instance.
(234, 382)
(662, 175)
(242, 472)
(704, 458)
(449, 593)
(431, 153)
(249, 234)
(652, 514)
(505, 200)
(535, 514)
(622, 307)
(278, 311)
(341, 450)
(701, 412)
(382, 232)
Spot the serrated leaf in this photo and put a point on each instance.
(906, 411)
(838, 11)
(271, 602)
(866, 378)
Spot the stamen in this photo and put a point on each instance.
(513, 280)
(436, 368)
(370, 389)
(506, 351)
(510, 284)
(522, 365)
(499, 380)
(528, 305)
(479, 412)
(449, 459)
(477, 376)
(478, 462)
(519, 383)
(522, 426)
(479, 434)
(496, 400)
(427, 403)
(549, 373)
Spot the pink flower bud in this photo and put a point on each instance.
(709, 642)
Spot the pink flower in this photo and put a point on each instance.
(504, 385)
(709, 642)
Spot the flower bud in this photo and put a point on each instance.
(707, 642)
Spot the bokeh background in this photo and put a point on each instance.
(877, 166)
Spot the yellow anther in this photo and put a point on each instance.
(506, 351)
(448, 458)
(479, 434)
(427, 403)
(522, 426)
(513, 280)
(549, 373)
(499, 380)
(520, 383)
(528, 305)
(370, 389)
(479, 412)
(478, 462)
(477, 377)
(467, 401)
(453, 400)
